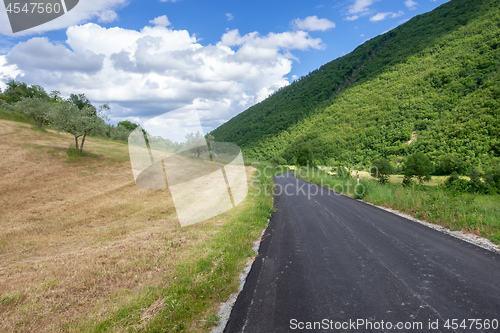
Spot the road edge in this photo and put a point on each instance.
(466, 237)
(227, 307)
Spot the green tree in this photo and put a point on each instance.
(81, 101)
(55, 96)
(449, 164)
(196, 143)
(475, 183)
(15, 91)
(304, 156)
(119, 133)
(33, 107)
(128, 125)
(70, 118)
(382, 169)
(420, 166)
(36, 91)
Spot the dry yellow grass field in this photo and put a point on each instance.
(398, 179)
(395, 179)
(78, 238)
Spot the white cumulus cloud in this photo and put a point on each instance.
(146, 73)
(411, 4)
(382, 16)
(352, 18)
(161, 21)
(313, 23)
(358, 8)
(7, 72)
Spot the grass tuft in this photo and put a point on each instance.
(73, 152)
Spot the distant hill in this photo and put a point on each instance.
(430, 85)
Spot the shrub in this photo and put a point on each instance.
(420, 166)
(476, 185)
(119, 133)
(278, 160)
(381, 169)
(449, 164)
(456, 184)
(408, 181)
(492, 178)
(304, 156)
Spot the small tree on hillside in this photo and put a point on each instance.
(55, 96)
(381, 170)
(70, 118)
(304, 156)
(16, 90)
(130, 126)
(449, 164)
(36, 91)
(418, 165)
(196, 143)
(35, 108)
(80, 101)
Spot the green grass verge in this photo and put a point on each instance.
(479, 214)
(207, 277)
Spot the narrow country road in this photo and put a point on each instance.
(329, 263)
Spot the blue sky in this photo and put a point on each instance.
(146, 58)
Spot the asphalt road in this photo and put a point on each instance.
(333, 264)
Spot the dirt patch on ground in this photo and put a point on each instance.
(414, 137)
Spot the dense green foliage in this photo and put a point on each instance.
(80, 100)
(128, 125)
(15, 91)
(449, 164)
(432, 85)
(382, 169)
(420, 166)
(475, 184)
(304, 156)
(35, 108)
(24, 103)
(80, 122)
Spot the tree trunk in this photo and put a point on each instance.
(83, 141)
(38, 122)
(76, 141)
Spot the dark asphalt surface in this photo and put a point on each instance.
(336, 261)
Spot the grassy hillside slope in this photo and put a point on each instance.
(435, 78)
(83, 249)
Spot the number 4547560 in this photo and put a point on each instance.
(470, 324)
(34, 8)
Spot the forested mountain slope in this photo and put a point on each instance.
(433, 81)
